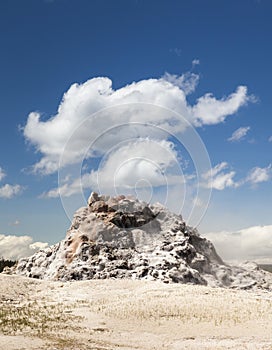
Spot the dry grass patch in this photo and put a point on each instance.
(188, 304)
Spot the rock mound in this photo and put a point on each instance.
(121, 237)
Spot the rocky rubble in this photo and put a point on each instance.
(121, 237)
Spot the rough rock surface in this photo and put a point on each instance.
(121, 237)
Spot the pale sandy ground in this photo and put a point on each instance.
(121, 314)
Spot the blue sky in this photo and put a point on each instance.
(214, 47)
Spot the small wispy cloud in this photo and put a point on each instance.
(270, 139)
(15, 223)
(258, 175)
(220, 177)
(2, 174)
(195, 62)
(239, 134)
(177, 51)
(187, 82)
(9, 191)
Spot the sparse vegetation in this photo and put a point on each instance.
(113, 314)
(51, 322)
(5, 262)
(175, 304)
(31, 317)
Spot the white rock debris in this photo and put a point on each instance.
(122, 237)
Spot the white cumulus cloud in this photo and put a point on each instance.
(252, 243)
(239, 134)
(77, 115)
(139, 163)
(208, 110)
(16, 247)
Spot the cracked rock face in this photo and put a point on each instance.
(121, 237)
